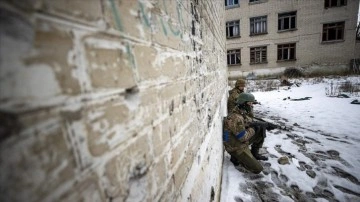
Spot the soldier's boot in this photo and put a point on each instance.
(234, 161)
(255, 153)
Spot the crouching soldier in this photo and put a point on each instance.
(239, 133)
(234, 93)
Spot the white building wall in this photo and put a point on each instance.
(310, 50)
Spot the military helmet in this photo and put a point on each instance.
(245, 97)
(240, 83)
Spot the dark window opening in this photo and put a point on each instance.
(286, 52)
(233, 57)
(231, 2)
(335, 3)
(258, 25)
(333, 31)
(232, 29)
(258, 55)
(287, 21)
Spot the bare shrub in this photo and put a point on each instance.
(293, 73)
(349, 87)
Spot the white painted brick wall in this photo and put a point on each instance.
(112, 100)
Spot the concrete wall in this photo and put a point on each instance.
(111, 100)
(311, 15)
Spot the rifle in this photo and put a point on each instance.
(256, 102)
(269, 126)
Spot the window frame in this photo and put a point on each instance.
(258, 55)
(234, 5)
(292, 19)
(259, 22)
(333, 28)
(334, 3)
(284, 50)
(231, 25)
(236, 53)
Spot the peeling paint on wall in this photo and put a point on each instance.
(111, 100)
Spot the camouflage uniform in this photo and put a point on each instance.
(238, 136)
(234, 93)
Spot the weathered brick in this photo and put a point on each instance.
(160, 138)
(27, 5)
(106, 124)
(180, 175)
(26, 167)
(132, 164)
(53, 46)
(109, 66)
(145, 62)
(90, 11)
(88, 189)
(160, 173)
(170, 27)
(117, 177)
(131, 17)
(178, 150)
(133, 84)
(169, 193)
(171, 90)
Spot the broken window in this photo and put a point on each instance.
(232, 29)
(286, 52)
(258, 25)
(258, 55)
(233, 57)
(333, 31)
(287, 21)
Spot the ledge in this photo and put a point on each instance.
(287, 30)
(332, 42)
(259, 34)
(283, 61)
(258, 63)
(233, 37)
(232, 6)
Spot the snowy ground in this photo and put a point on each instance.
(323, 145)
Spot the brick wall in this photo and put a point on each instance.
(111, 100)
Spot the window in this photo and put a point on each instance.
(334, 3)
(333, 31)
(231, 3)
(232, 29)
(233, 57)
(286, 52)
(258, 55)
(287, 21)
(258, 25)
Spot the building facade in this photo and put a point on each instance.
(265, 37)
(111, 100)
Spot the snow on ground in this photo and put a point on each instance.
(323, 145)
